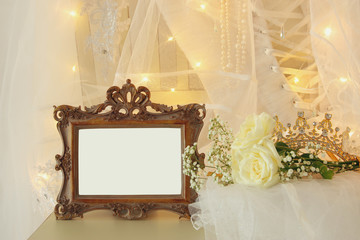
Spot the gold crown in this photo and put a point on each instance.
(322, 133)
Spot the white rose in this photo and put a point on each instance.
(255, 160)
(258, 165)
(252, 131)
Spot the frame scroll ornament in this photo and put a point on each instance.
(123, 106)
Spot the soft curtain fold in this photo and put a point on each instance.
(198, 34)
(308, 209)
(335, 35)
(37, 49)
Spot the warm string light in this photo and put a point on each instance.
(170, 38)
(327, 31)
(145, 79)
(72, 13)
(172, 89)
(342, 79)
(74, 71)
(296, 80)
(44, 176)
(203, 6)
(198, 64)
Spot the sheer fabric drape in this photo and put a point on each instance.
(198, 34)
(37, 49)
(337, 55)
(307, 209)
(313, 209)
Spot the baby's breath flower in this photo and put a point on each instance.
(218, 157)
(289, 172)
(296, 163)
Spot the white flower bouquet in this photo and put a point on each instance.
(255, 157)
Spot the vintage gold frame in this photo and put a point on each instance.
(127, 106)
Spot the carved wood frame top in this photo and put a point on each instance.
(125, 106)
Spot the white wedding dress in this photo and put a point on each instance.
(305, 209)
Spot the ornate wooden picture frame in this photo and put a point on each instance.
(126, 106)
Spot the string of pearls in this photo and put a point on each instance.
(229, 62)
(225, 35)
(240, 46)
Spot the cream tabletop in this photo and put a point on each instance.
(159, 225)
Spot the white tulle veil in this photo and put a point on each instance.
(231, 46)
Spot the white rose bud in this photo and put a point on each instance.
(258, 166)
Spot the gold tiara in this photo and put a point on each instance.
(320, 133)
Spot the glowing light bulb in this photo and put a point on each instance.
(198, 64)
(74, 68)
(72, 13)
(203, 6)
(296, 80)
(145, 79)
(170, 38)
(351, 133)
(342, 79)
(44, 176)
(173, 89)
(327, 31)
(282, 32)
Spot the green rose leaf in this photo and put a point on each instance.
(327, 174)
(282, 147)
(317, 164)
(281, 152)
(323, 168)
(281, 144)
